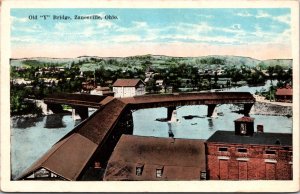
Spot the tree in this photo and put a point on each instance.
(270, 71)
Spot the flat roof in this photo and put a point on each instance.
(285, 139)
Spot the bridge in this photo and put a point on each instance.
(81, 102)
(211, 99)
(94, 139)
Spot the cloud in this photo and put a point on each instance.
(205, 16)
(283, 19)
(244, 14)
(236, 26)
(126, 38)
(24, 39)
(263, 14)
(140, 24)
(18, 20)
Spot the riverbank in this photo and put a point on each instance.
(269, 108)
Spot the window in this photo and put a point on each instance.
(139, 169)
(243, 128)
(203, 175)
(159, 172)
(270, 152)
(286, 148)
(223, 149)
(242, 150)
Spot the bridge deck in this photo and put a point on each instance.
(152, 101)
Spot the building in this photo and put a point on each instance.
(102, 91)
(247, 155)
(160, 84)
(284, 94)
(128, 88)
(156, 159)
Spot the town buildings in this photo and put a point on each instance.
(102, 91)
(247, 155)
(128, 88)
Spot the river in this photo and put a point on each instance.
(32, 137)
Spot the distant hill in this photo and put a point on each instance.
(156, 61)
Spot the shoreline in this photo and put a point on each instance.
(272, 109)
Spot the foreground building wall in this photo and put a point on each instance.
(259, 162)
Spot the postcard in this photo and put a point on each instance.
(149, 96)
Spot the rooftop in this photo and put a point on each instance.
(245, 119)
(285, 139)
(181, 159)
(126, 82)
(284, 92)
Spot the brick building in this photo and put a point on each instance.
(245, 155)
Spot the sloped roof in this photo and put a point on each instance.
(70, 155)
(126, 82)
(285, 139)
(245, 119)
(181, 159)
(284, 92)
(67, 158)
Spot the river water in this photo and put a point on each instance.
(32, 137)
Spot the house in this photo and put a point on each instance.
(20, 81)
(128, 88)
(247, 155)
(87, 86)
(284, 94)
(102, 91)
(155, 159)
(160, 84)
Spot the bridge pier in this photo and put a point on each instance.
(210, 109)
(171, 109)
(55, 108)
(247, 108)
(83, 112)
(54, 121)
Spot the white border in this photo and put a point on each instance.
(59, 186)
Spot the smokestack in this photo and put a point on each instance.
(260, 128)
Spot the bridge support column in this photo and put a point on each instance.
(211, 109)
(83, 112)
(247, 108)
(54, 121)
(55, 108)
(171, 109)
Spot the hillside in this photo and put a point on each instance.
(156, 61)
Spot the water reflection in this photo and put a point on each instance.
(170, 132)
(25, 122)
(210, 123)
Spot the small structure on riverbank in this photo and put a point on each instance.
(284, 94)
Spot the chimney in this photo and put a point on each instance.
(260, 128)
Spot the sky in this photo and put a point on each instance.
(263, 33)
